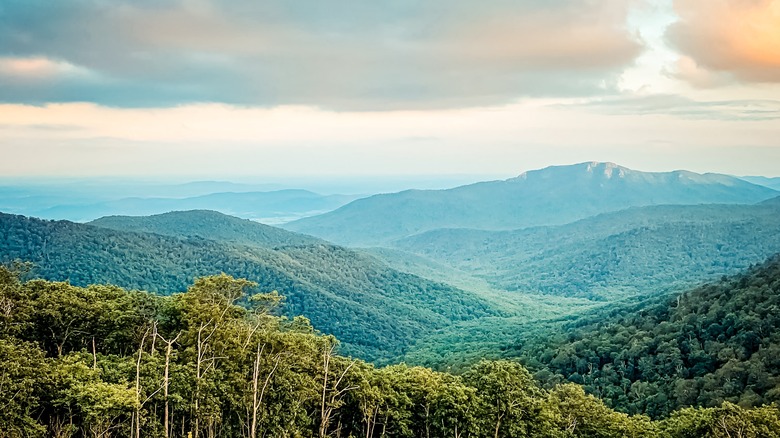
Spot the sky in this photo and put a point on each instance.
(236, 89)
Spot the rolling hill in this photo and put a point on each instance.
(612, 255)
(772, 183)
(714, 343)
(208, 224)
(772, 201)
(375, 310)
(551, 196)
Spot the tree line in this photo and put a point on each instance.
(715, 343)
(217, 361)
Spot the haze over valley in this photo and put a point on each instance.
(425, 264)
(447, 278)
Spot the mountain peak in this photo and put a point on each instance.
(551, 196)
(607, 169)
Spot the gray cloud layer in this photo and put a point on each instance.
(336, 54)
(744, 110)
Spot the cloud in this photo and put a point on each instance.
(686, 108)
(25, 69)
(688, 70)
(740, 38)
(338, 54)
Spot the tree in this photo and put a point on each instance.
(576, 414)
(726, 421)
(212, 334)
(509, 394)
(22, 369)
(335, 385)
(93, 403)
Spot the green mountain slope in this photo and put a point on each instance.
(612, 255)
(551, 196)
(375, 310)
(208, 225)
(718, 342)
(151, 371)
(772, 201)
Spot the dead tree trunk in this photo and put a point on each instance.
(166, 380)
(331, 395)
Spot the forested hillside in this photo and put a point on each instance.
(609, 256)
(552, 196)
(772, 201)
(715, 343)
(376, 311)
(208, 224)
(102, 361)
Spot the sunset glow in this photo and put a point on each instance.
(451, 88)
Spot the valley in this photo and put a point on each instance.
(653, 292)
(375, 310)
(389, 219)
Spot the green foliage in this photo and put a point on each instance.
(581, 415)
(626, 253)
(376, 311)
(22, 370)
(510, 397)
(197, 364)
(713, 344)
(726, 421)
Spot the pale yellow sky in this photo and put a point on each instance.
(693, 84)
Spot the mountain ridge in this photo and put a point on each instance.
(375, 310)
(603, 251)
(208, 224)
(551, 196)
(277, 205)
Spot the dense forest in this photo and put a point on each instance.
(208, 224)
(102, 361)
(699, 347)
(375, 310)
(612, 255)
(715, 343)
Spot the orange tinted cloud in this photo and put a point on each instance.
(35, 67)
(741, 37)
(585, 38)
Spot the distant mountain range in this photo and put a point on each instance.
(551, 196)
(772, 183)
(545, 244)
(375, 310)
(583, 273)
(267, 206)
